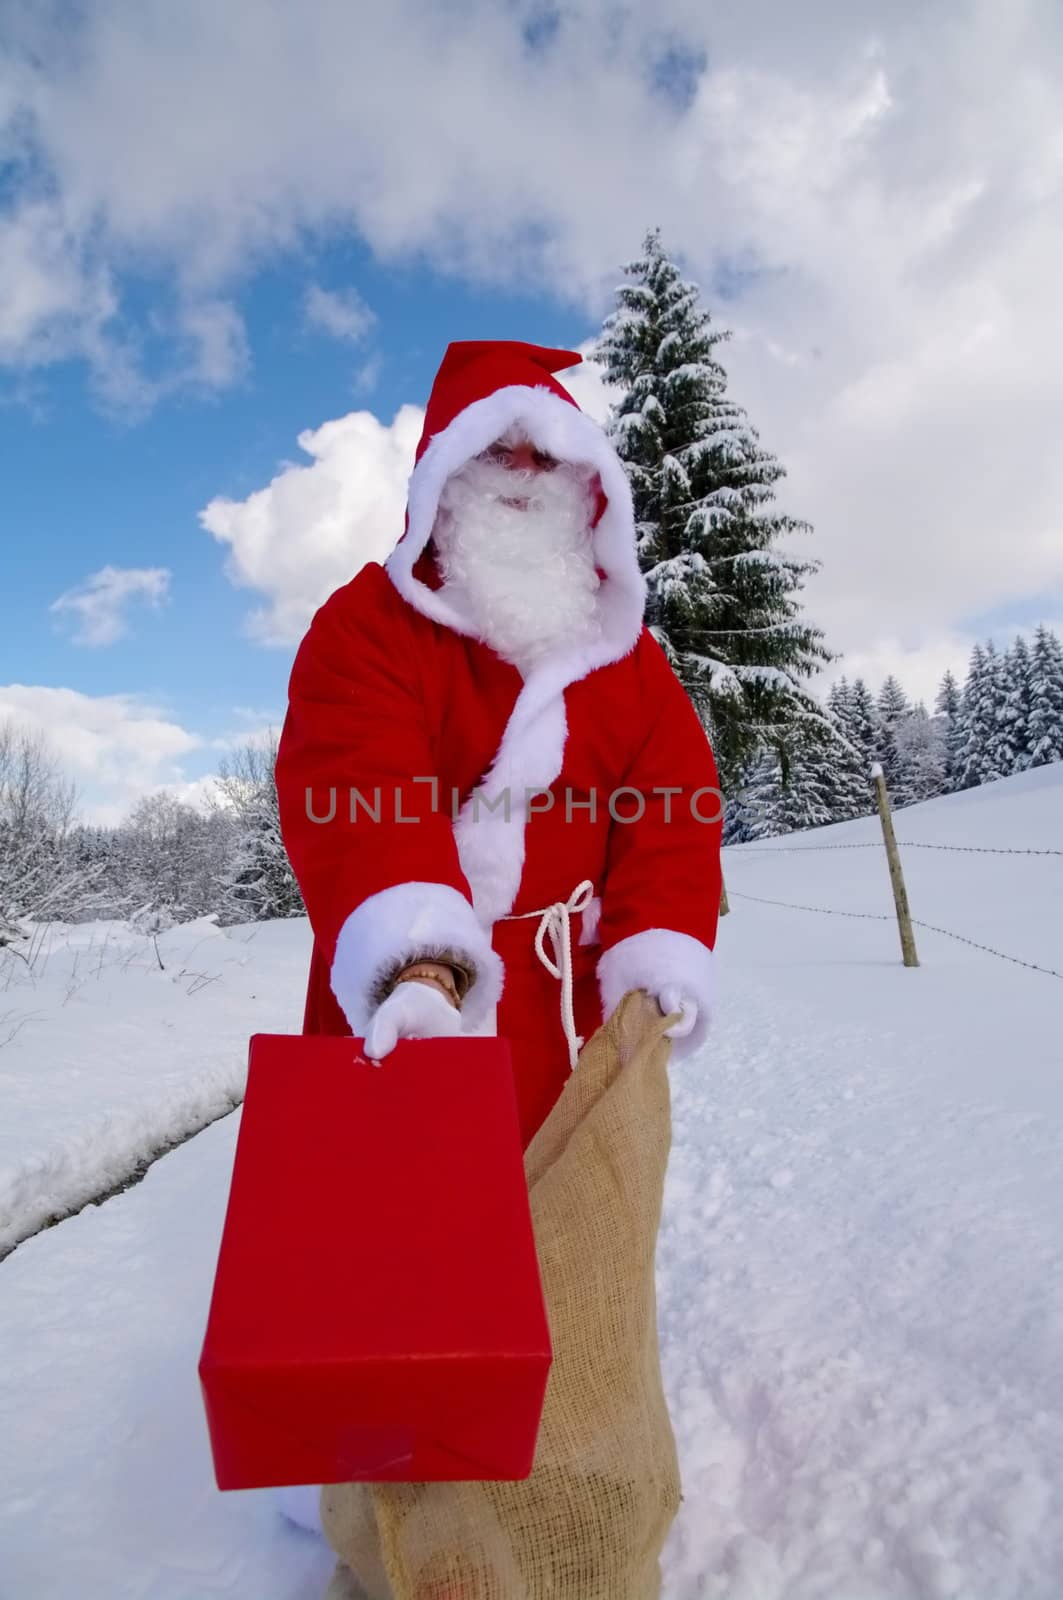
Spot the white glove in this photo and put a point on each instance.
(411, 1011)
(672, 998)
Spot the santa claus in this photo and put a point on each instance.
(499, 804)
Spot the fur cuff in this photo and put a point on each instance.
(653, 959)
(413, 922)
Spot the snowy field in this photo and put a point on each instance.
(861, 1265)
(113, 1044)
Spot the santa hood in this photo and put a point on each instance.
(482, 389)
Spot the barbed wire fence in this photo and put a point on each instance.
(884, 916)
(738, 852)
(909, 844)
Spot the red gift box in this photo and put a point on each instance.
(377, 1312)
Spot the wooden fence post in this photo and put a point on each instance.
(900, 896)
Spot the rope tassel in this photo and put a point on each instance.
(554, 926)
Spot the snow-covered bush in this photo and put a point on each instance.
(39, 877)
(258, 882)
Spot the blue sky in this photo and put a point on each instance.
(83, 487)
(221, 228)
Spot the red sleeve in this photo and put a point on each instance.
(661, 897)
(376, 862)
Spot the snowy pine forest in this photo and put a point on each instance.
(1006, 718)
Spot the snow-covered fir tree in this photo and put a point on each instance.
(892, 701)
(724, 599)
(862, 724)
(1015, 712)
(788, 788)
(1005, 737)
(947, 710)
(808, 797)
(890, 707)
(1044, 732)
(920, 744)
(978, 719)
(850, 779)
(751, 811)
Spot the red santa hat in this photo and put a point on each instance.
(483, 388)
(472, 369)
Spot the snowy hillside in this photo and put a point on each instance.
(861, 1265)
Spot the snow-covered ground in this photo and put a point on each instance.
(113, 1044)
(861, 1263)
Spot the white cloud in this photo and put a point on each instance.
(919, 669)
(250, 725)
(344, 314)
(100, 604)
(215, 338)
(202, 794)
(257, 737)
(52, 303)
(209, 351)
(313, 527)
(883, 184)
(60, 301)
(367, 376)
(116, 747)
(587, 386)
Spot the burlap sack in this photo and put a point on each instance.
(590, 1521)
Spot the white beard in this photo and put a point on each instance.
(522, 574)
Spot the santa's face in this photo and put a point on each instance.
(519, 455)
(515, 544)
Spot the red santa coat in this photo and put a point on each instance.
(432, 799)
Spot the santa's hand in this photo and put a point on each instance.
(411, 1011)
(671, 998)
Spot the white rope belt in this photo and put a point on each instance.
(554, 925)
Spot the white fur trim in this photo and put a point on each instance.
(649, 961)
(568, 435)
(406, 923)
(533, 745)
(490, 843)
